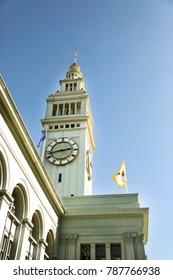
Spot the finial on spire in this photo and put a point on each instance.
(75, 56)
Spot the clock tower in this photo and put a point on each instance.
(67, 150)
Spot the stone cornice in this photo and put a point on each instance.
(66, 95)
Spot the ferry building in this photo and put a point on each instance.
(47, 210)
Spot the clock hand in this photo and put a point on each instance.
(62, 150)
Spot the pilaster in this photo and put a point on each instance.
(134, 246)
(70, 241)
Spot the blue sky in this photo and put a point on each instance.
(125, 54)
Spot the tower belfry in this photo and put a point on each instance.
(68, 148)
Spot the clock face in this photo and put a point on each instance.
(62, 151)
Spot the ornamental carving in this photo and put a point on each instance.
(134, 235)
(69, 237)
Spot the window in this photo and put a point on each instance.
(72, 125)
(31, 248)
(10, 243)
(2, 250)
(66, 109)
(33, 240)
(71, 87)
(100, 252)
(85, 252)
(78, 125)
(60, 110)
(50, 126)
(50, 246)
(66, 87)
(9, 234)
(78, 107)
(54, 110)
(56, 126)
(67, 126)
(115, 251)
(73, 108)
(59, 177)
(75, 85)
(61, 126)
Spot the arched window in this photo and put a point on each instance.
(35, 233)
(50, 246)
(10, 238)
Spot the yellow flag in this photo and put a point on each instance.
(120, 176)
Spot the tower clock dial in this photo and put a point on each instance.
(61, 151)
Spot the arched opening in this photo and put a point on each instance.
(13, 225)
(50, 246)
(3, 172)
(35, 235)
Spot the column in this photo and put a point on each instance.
(24, 240)
(57, 112)
(63, 87)
(108, 251)
(93, 251)
(63, 109)
(41, 249)
(83, 107)
(139, 246)
(129, 246)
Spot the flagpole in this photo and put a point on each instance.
(126, 187)
(75, 56)
(126, 177)
(43, 148)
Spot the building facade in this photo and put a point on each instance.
(47, 210)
